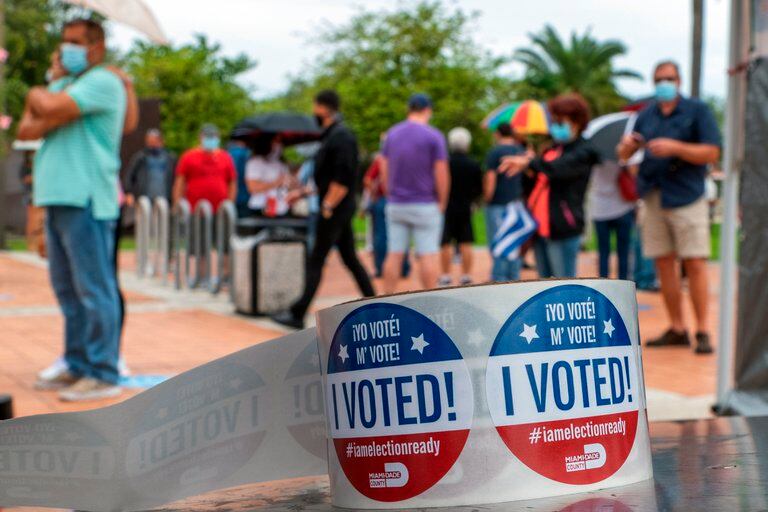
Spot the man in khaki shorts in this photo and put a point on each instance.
(681, 138)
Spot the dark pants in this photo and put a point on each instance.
(622, 226)
(336, 231)
(379, 228)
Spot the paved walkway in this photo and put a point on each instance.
(169, 332)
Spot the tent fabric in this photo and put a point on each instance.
(749, 396)
(133, 13)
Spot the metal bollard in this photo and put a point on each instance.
(143, 220)
(202, 227)
(226, 218)
(182, 215)
(160, 240)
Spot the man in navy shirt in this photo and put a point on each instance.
(680, 138)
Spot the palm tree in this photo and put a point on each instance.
(584, 65)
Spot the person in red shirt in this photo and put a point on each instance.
(206, 172)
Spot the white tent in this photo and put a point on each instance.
(739, 54)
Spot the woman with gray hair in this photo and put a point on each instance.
(466, 187)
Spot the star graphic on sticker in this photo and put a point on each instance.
(419, 343)
(343, 354)
(529, 333)
(475, 337)
(608, 327)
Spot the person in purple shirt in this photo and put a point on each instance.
(414, 168)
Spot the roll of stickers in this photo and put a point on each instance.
(453, 397)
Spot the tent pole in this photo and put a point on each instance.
(732, 161)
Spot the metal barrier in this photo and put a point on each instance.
(159, 245)
(143, 221)
(202, 227)
(226, 219)
(163, 237)
(182, 214)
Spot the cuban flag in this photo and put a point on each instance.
(515, 229)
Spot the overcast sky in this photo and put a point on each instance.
(275, 32)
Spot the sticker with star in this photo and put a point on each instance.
(399, 401)
(563, 385)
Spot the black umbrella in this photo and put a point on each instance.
(293, 128)
(606, 131)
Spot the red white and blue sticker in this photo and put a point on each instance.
(399, 400)
(563, 385)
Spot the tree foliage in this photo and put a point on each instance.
(378, 59)
(582, 64)
(32, 33)
(196, 85)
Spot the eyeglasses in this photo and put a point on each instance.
(664, 79)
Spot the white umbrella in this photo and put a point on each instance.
(133, 13)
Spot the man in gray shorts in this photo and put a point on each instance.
(414, 168)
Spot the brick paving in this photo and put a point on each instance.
(169, 332)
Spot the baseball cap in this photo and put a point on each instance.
(419, 101)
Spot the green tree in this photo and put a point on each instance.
(32, 33)
(583, 64)
(195, 83)
(379, 58)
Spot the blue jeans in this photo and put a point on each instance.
(83, 278)
(622, 226)
(379, 228)
(557, 258)
(503, 269)
(645, 269)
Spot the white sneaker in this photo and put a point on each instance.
(58, 367)
(122, 368)
(61, 380)
(89, 389)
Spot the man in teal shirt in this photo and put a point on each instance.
(81, 117)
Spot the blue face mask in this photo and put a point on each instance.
(210, 143)
(560, 132)
(666, 90)
(74, 58)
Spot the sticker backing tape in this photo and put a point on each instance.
(451, 397)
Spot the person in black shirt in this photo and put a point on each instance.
(500, 190)
(335, 178)
(466, 187)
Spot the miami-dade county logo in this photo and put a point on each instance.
(399, 401)
(563, 385)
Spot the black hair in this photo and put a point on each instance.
(504, 129)
(261, 145)
(329, 98)
(93, 29)
(667, 63)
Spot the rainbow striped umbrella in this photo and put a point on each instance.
(500, 115)
(531, 118)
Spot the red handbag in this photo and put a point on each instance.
(627, 185)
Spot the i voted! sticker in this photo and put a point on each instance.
(399, 401)
(563, 385)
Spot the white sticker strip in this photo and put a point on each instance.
(452, 397)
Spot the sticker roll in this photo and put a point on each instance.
(462, 396)
(484, 394)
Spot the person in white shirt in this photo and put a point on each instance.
(267, 178)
